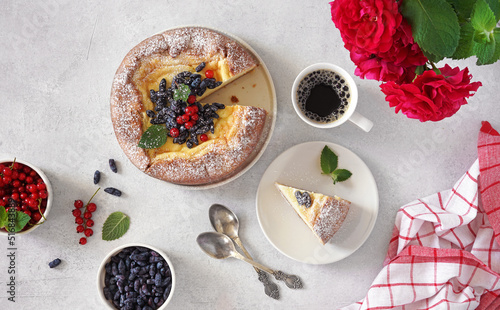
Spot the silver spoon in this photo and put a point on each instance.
(220, 246)
(225, 221)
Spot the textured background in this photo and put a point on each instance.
(58, 59)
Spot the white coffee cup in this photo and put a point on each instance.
(349, 114)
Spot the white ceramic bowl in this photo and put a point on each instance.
(50, 193)
(101, 273)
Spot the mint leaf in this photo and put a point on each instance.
(115, 226)
(21, 220)
(434, 25)
(155, 136)
(340, 175)
(484, 52)
(483, 19)
(182, 92)
(466, 43)
(328, 161)
(495, 7)
(3, 217)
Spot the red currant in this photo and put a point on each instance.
(174, 132)
(78, 204)
(195, 117)
(7, 179)
(189, 125)
(80, 228)
(191, 99)
(78, 220)
(89, 223)
(91, 207)
(189, 111)
(29, 180)
(22, 176)
(203, 137)
(15, 196)
(209, 74)
(33, 173)
(23, 195)
(36, 217)
(185, 117)
(87, 215)
(88, 232)
(27, 212)
(77, 212)
(179, 120)
(34, 195)
(33, 203)
(40, 186)
(83, 240)
(43, 194)
(6, 171)
(195, 108)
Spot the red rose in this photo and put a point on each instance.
(431, 96)
(366, 24)
(398, 64)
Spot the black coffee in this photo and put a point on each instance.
(323, 96)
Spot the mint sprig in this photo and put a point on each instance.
(115, 226)
(154, 137)
(456, 29)
(329, 163)
(182, 92)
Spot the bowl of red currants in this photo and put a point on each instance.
(25, 197)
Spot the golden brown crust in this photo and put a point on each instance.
(216, 162)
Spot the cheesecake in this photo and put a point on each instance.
(236, 130)
(324, 215)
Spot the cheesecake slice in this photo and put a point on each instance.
(323, 214)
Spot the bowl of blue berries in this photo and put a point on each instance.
(136, 276)
(25, 197)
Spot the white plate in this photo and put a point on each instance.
(299, 167)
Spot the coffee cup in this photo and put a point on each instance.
(325, 96)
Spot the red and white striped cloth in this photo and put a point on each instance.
(445, 248)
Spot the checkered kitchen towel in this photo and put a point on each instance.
(445, 248)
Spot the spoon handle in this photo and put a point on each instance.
(292, 281)
(270, 288)
(253, 263)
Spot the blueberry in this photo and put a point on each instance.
(54, 263)
(303, 199)
(97, 176)
(200, 67)
(112, 165)
(113, 191)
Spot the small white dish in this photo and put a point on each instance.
(101, 273)
(48, 188)
(299, 167)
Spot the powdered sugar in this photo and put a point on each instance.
(330, 218)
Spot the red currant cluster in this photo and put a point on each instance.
(23, 184)
(83, 219)
(188, 119)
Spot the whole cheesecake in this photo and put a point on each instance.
(236, 131)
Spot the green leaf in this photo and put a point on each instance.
(462, 7)
(115, 226)
(495, 7)
(329, 160)
(482, 18)
(484, 52)
(340, 175)
(155, 136)
(434, 25)
(182, 92)
(466, 43)
(3, 217)
(21, 220)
